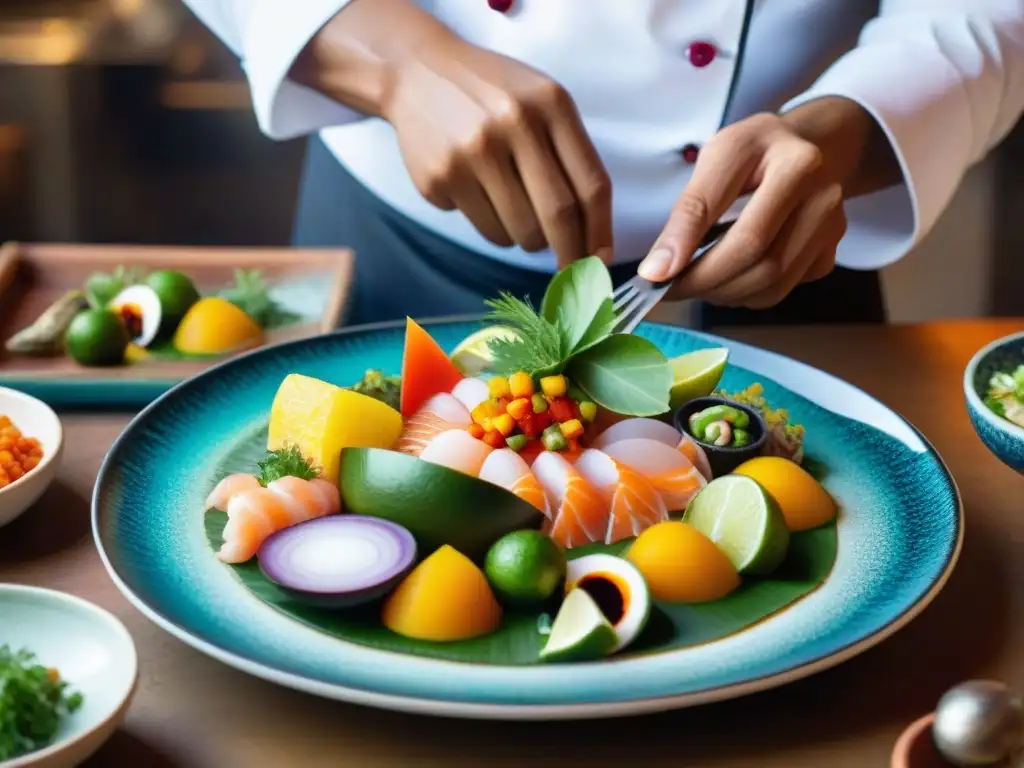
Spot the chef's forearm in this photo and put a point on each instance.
(353, 59)
(856, 150)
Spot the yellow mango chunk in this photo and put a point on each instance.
(213, 326)
(804, 502)
(682, 565)
(445, 598)
(321, 419)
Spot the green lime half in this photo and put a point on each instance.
(580, 632)
(740, 516)
(473, 356)
(525, 567)
(696, 374)
(96, 337)
(177, 293)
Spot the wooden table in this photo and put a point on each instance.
(193, 711)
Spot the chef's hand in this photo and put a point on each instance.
(505, 145)
(789, 230)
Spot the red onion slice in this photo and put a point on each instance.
(339, 560)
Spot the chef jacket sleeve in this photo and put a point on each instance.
(945, 80)
(268, 35)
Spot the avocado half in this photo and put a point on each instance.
(436, 504)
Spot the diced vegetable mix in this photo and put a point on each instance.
(517, 413)
(19, 454)
(1006, 395)
(33, 701)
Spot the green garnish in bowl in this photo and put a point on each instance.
(33, 702)
(1005, 396)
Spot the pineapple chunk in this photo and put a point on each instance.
(322, 419)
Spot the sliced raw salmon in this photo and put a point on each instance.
(672, 475)
(581, 512)
(634, 504)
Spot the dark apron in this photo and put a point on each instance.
(405, 269)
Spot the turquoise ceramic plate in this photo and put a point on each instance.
(899, 532)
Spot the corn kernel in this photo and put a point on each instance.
(521, 384)
(554, 386)
(519, 407)
(484, 411)
(499, 387)
(571, 429)
(504, 424)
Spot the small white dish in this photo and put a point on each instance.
(35, 419)
(92, 651)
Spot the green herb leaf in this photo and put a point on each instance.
(542, 348)
(33, 702)
(574, 300)
(600, 327)
(286, 462)
(387, 389)
(626, 374)
(252, 295)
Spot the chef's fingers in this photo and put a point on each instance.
(807, 237)
(783, 188)
(723, 172)
(469, 197)
(551, 193)
(821, 268)
(500, 178)
(586, 173)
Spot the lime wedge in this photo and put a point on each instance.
(473, 356)
(740, 516)
(580, 632)
(696, 374)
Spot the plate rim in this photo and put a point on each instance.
(488, 710)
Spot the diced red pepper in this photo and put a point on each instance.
(541, 421)
(528, 425)
(494, 439)
(532, 450)
(476, 431)
(574, 445)
(561, 409)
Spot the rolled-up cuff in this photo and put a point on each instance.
(928, 125)
(277, 33)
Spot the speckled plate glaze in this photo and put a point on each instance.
(900, 531)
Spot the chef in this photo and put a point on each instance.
(463, 147)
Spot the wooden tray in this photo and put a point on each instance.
(33, 276)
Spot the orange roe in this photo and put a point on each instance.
(19, 455)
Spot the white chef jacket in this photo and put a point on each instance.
(655, 79)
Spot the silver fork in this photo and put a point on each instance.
(635, 298)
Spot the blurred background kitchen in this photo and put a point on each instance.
(126, 121)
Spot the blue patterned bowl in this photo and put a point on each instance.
(1004, 438)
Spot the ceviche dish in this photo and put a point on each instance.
(546, 492)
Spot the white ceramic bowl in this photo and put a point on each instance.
(35, 419)
(92, 651)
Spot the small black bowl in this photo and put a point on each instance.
(724, 459)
